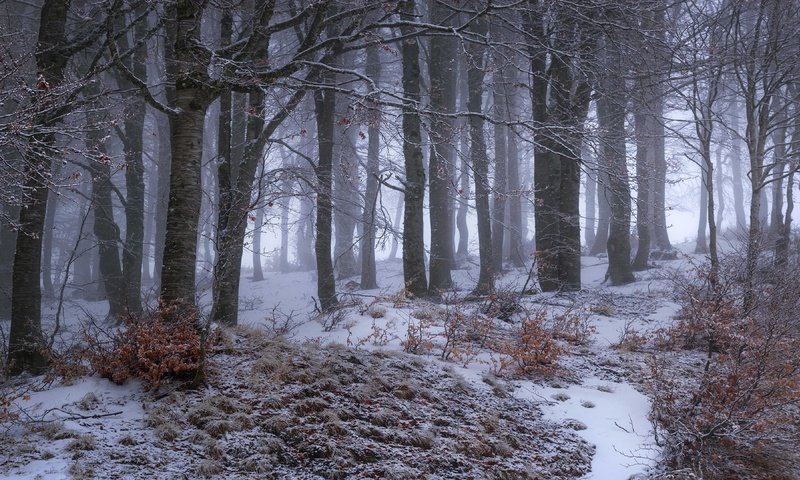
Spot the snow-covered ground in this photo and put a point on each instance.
(596, 394)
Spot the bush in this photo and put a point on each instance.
(744, 394)
(166, 343)
(531, 348)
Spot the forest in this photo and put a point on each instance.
(399, 239)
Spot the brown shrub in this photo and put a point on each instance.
(163, 344)
(531, 348)
(742, 398)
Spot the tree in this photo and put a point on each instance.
(560, 95)
(414, 185)
(476, 65)
(442, 68)
(611, 122)
(367, 246)
(51, 101)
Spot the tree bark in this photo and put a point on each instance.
(611, 122)
(413, 227)
(369, 278)
(106, 229)
(591, 197)
(516, 248)
(462, 250)
(442, 67)
(191, 99)
(325, 104)
(25, 336)
(479, 160)
(500, 168)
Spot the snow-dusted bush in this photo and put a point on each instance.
(745, 392)
(165, 343)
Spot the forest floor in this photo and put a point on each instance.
(294, 395)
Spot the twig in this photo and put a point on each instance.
(75, 416)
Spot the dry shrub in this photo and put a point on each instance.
(166, 343)
(740, 401)
(574, 327)
(419, 338)
(531, 348)
(630, 339)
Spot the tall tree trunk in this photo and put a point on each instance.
(784, 237)
(720, 187)
(500, 168)
(462, 250)
(413, 219)
(258, 224)
(442, 67)
(164, 125)
(133, 144)
(603, 209)
(611, 122)
(345, 182)
(25, 336)
(736, 166)
(779, 151)
(325, 105)
(480, 162)
(701, 245)
(191, 99)
(235, 205)
(106, 230)
(82, 273)
(516, 247)
(560, 101)
(643, 123)
(47, 241)
(8, 245)
(369, 278)
(611, 118)
(591, 197)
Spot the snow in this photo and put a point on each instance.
(615, 417)
(599, 398)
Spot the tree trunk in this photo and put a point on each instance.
(133, 144)
(611, 122)
(462, 250)
(560, 101)
(701, 245)
(191, 99)
(480, 162)
(47, 241)
(8, 245)
(516, 248)
(736, 167)
(442, 67)
(369, 278)
(413, 227)
(106, 230)
(185, 196)
(258, 224)
(233, 219)
(164, 125)
(500, 168)
(603, 210)
(345, 182)
(25, 336)
(611, 119)
(644, 122)
(325, 105)
(591, 197)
